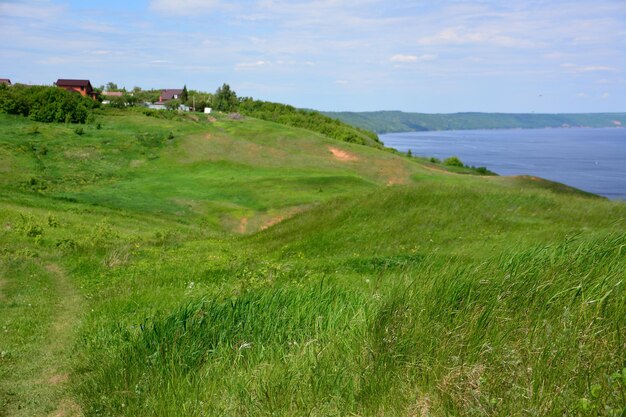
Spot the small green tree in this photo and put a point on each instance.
(173, 104)
(225, 99)
(184, 96)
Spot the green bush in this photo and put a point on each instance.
(46, 104)
(483, 171)
(453, 161)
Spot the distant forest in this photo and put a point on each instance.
(397, 121)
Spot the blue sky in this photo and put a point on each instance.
(426, 56)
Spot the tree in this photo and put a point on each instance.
(184, 96)
(173, 104)
(111, 86)
(225, 99)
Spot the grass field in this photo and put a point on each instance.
(195, 266)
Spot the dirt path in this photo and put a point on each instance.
(56, 355)
(41, 345)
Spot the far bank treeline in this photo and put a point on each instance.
(397, 121)
(51, 104)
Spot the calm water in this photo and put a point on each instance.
(590, 159)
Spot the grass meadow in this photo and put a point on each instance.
(186, 265)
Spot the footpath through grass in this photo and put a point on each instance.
(245, 268)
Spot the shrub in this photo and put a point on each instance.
(151, 140)
(484, 171)
(46, 104)
(36, 184)
(453, 161)
(29, 226)
(79, 131)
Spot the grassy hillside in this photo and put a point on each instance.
(210, 266)
(396, 121)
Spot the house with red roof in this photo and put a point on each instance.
(170, 94)
(83, 87)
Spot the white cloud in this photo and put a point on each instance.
(406, 59)
(275, 64)
(589, 68)
(249, 65)
(40, 10)
(460, 36)
(342, 82)
(605, 95)
(184, 7)
(403, 58)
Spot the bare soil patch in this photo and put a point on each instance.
(342, 155)
(67, 408)
(243, 225)
(58, 379)
(281, 217)
(136, 163)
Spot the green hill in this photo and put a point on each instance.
(396, 121)
(165, 265)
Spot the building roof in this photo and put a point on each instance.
(73, 83)
(5, 81)
(113, 93)
(168, 94)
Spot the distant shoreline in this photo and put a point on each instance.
(383, 122)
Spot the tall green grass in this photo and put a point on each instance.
(538, 333)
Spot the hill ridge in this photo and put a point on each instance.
(393, 121)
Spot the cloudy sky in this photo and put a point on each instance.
(412, 55)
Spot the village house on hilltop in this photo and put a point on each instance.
(5, 81)
(167, 95)
(83, 87)
(170, 94)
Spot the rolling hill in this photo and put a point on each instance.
(165, 264)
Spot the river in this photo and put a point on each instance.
(590, 159)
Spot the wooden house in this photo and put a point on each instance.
(170, 94)
(83, 87)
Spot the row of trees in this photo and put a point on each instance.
(307, 119)
(46, 104)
